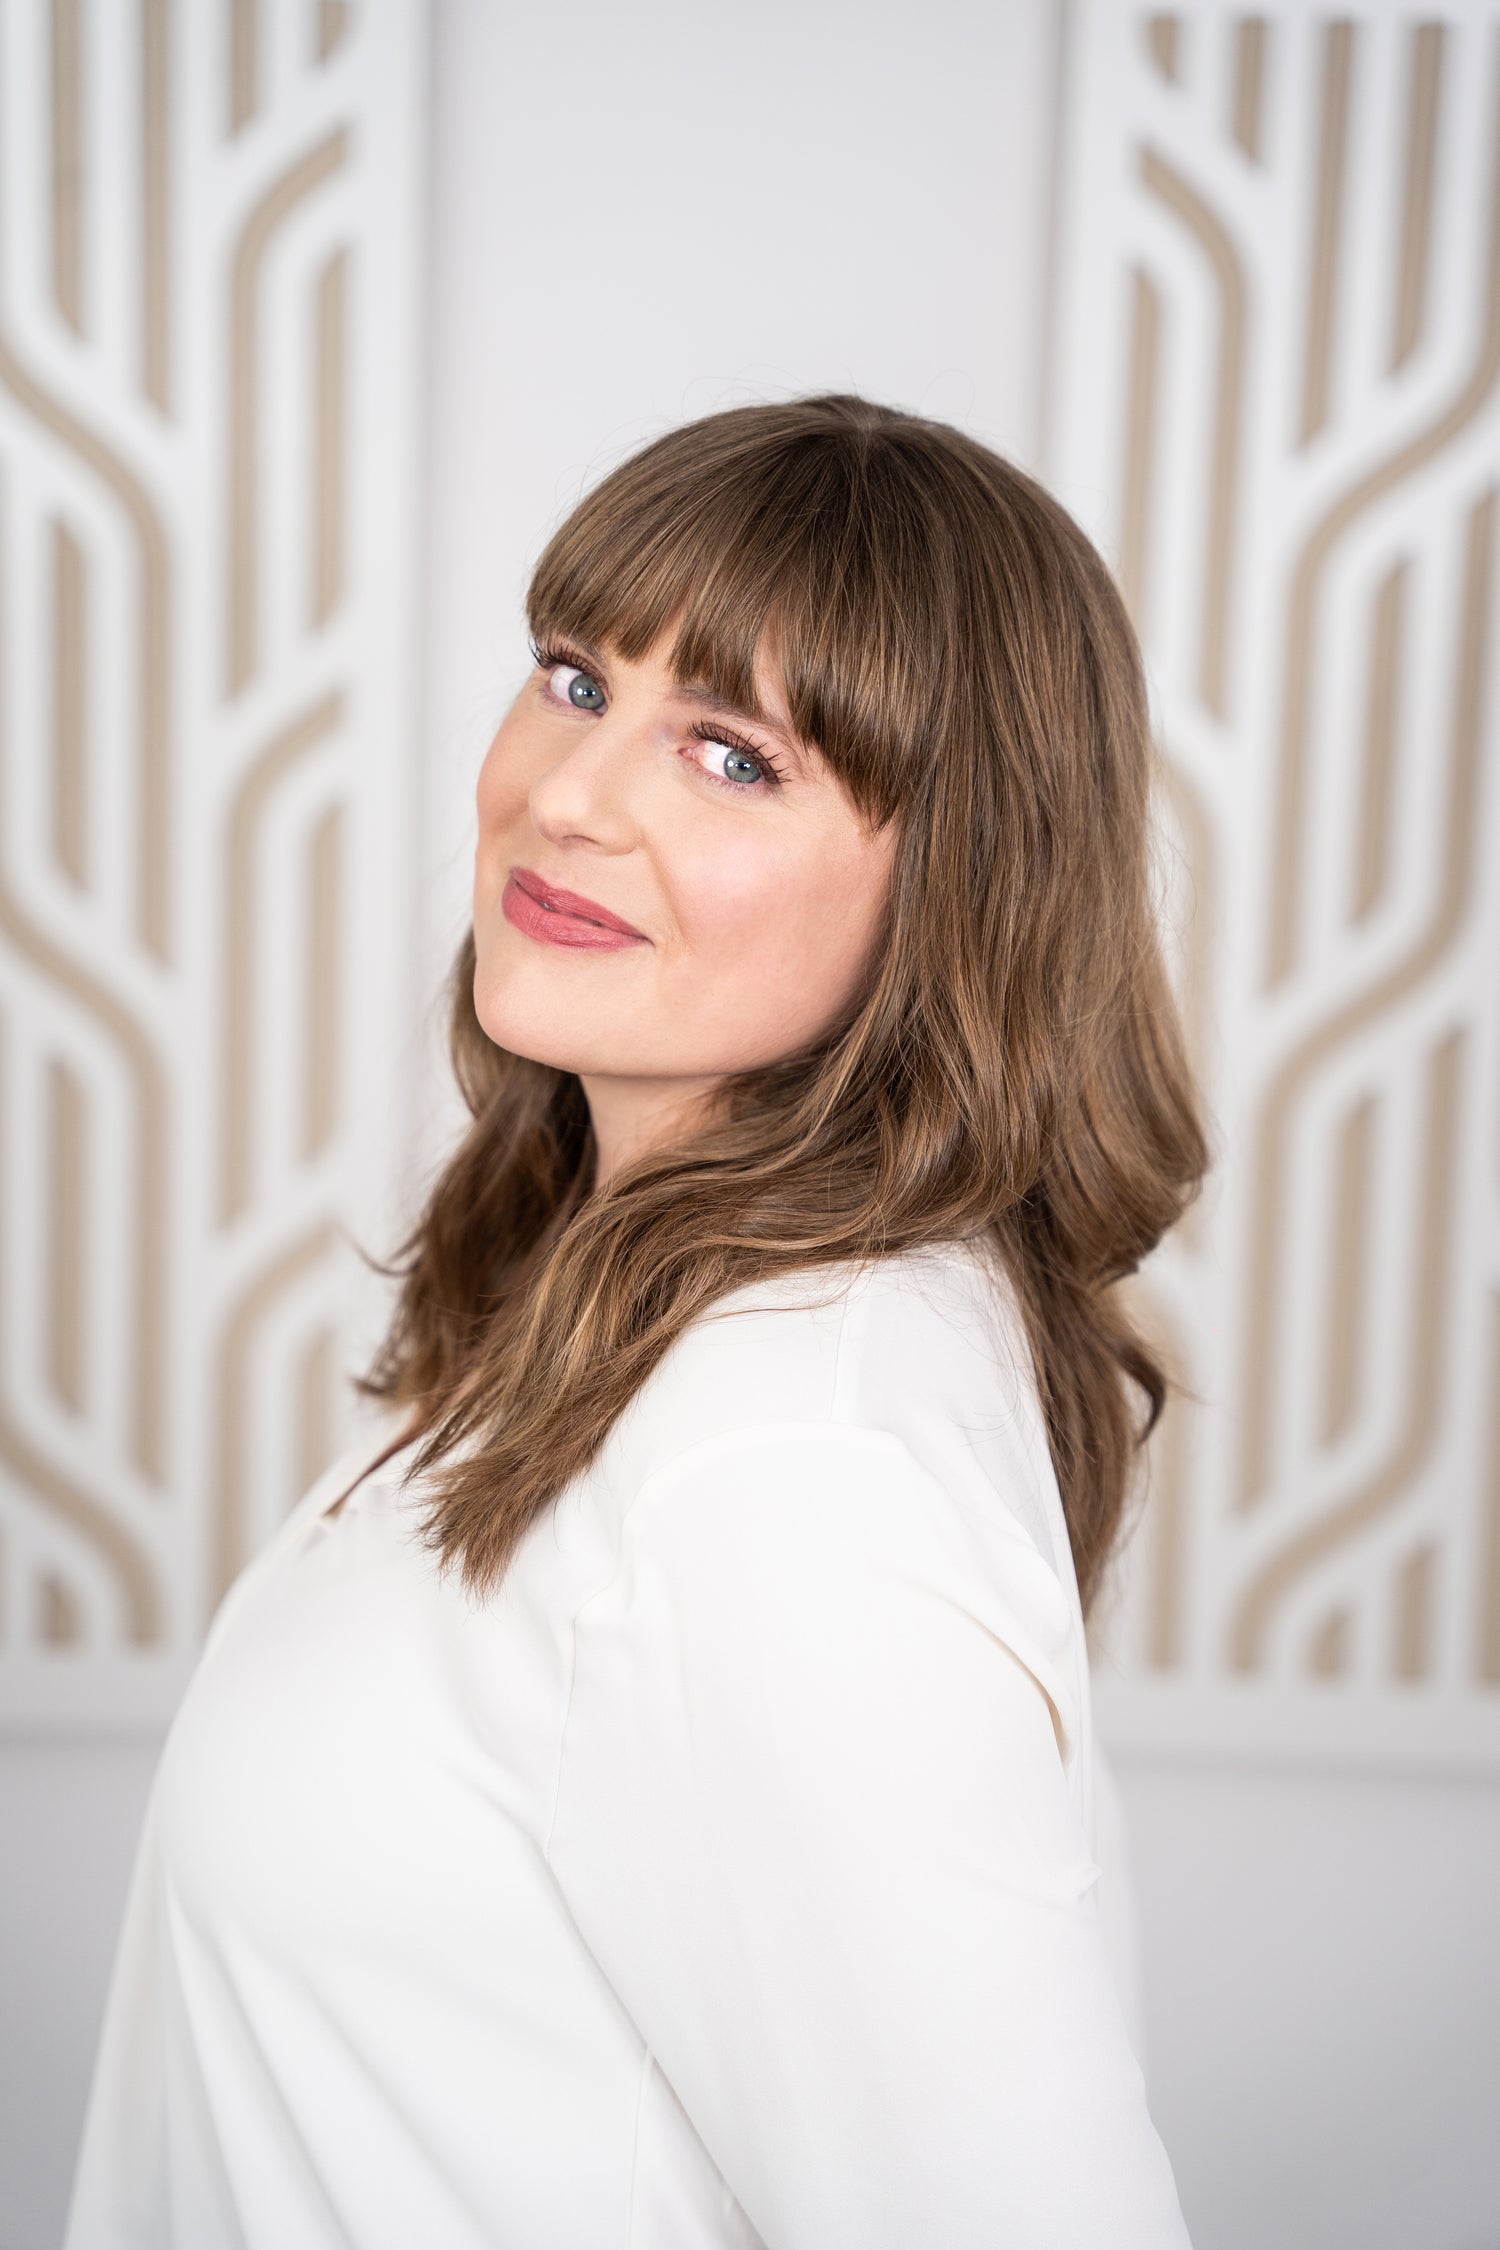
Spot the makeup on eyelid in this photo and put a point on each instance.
(717, 733)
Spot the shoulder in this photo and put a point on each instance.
(927, 1347)
(814, 1442)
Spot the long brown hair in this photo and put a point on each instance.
(1012, 1068)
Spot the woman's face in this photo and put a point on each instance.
(663, 890)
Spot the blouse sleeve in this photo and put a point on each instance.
(814, 1822)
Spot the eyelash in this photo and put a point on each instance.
(552, 653)
(726, 738)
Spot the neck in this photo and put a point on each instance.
(633, 1116)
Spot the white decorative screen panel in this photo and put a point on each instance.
(208, 322)
(1275, 400)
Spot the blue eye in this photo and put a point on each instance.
(735, 765)
(570, 685)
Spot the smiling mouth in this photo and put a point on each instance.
(545, 911)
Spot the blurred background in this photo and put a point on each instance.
(315, 315)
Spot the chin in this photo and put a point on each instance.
(521, 1031)
(537, 1029)
(568, 1029)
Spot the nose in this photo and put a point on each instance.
(586, 795)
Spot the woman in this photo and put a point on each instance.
(643, 1796)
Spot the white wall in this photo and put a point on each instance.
(636, 216)
(643, 214)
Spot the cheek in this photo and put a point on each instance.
(501, 789)
(725, 888)
(784, 928)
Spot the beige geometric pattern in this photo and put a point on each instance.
(1275, 399)
(208, 214)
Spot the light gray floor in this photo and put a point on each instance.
(69, 1816)
(1322, 1958)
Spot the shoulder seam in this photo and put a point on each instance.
(716, 1441)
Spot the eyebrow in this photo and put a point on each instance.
(697, 691)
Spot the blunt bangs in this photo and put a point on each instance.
(738, 538)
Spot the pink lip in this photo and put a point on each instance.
(559, 917)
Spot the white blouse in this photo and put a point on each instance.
(724, 1879)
